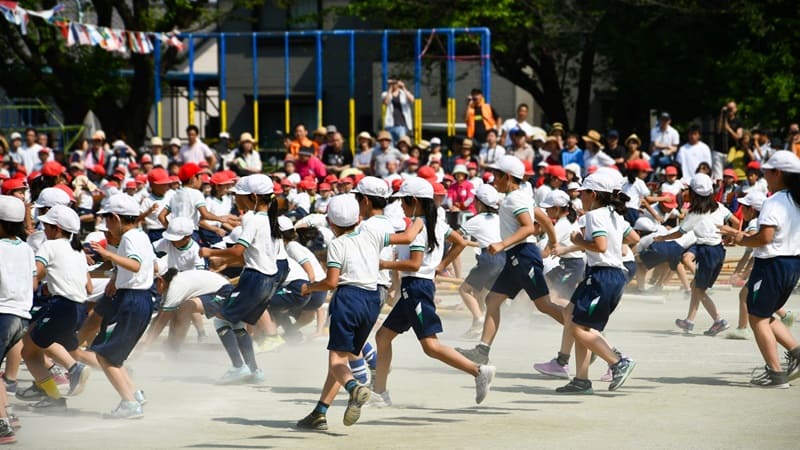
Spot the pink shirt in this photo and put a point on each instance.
(313, 167)
(462, 195)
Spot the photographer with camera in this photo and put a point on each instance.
(729, 132)
(398, 100)
(479, 117)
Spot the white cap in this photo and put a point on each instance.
(258, 184)
(285, 223)
(175, 141)
(63, 217)
(612, 173)
(162, 265)
(754, 199)
(121, 205)
(224, 135)
(573, 185)
(156, 141)
(436, 141)
(16, 135)
(701, 184)
(488, 195)
(12, 209)
(574, 168)
(511, 165)
(101, 226)
(645, 224)
(343, 210)
(373, 187)
(555, 198)
(179, 228)
(50, 197)
(600, 181)
(460, 168)
(413, 187)
(783, 160)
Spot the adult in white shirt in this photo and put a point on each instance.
(30, 150)
(520, 122)
(196, 151)
(692, 153)
(491, 151)
(664, 142)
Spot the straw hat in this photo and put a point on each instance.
(594, 137)
(633, 137)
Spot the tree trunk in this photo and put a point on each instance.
(585, 86)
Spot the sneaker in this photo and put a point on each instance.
(718, 327)
(483, 382)
(11, 386)
(769, 379)
(379, 400)
(372, 374)
(620, 373)
(553, 369)
(59, 375)
(313, 421)
(576, 387)
(126, 410)
(474, 331)
(139, 396)
(32, 394)
(51, 404)
(7, 435)
(684, 325)
(741, 334)
(478, 354)
(608, 376)
(358, 396)
(788, 319)
(269, 344)
(257, 376)
(792, 367)
(13, 419)
(236, 375)
(78, 377)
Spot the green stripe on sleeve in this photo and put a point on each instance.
(334, 265)
(243, 243)
(600, 233)
(519, 211)
(42, 260)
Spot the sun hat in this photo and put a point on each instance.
(63, 217)
(373, 187)
(12, 209)
(178, 228)
(258, 184)
(555, 198)
(343, 211)
(414, 187)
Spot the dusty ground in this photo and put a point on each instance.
(688, 391)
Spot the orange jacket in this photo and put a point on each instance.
(489, 121)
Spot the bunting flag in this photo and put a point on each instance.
(75, 33)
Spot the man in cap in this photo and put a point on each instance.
(664, 142)
(383, 154)
(398, 100)
(479, 116)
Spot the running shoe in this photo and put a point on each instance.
(620, 373)
(379, 400)
(269, 344)
(11, 386)
(126, 410)
(788, 319)
(358, 397)
(59, 375)
(13, 419)
(474, 331)
(7, 435)
(257, 376)
(236, 375)
(478, 354)
(483, 382)
(51, 404)
(553, 369)
(78, 376)
(313, 421)
(769, 379)
(741, 334)
(684, 325)
(792, 366)
(139, 396)
(576, 387)
(718, 327)
(32, 394)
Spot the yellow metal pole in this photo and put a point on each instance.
(417, 120)
(287, 108)
(352, 126)
(255, 120)
(319, 113)
(191, 112)
(223, 115)
(159, 125)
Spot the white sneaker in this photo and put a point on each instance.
(236, 375)
(381, 400)
(483, 382)
(739, 334)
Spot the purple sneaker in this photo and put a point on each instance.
(718, 327)
(684, 325)
(553, 369)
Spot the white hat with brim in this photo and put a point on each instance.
(754, 199)
(258, 184)
(285, 223)
(460, 168)
(783, 160)
(63, 217)
(178, 228)
(373, 187)
(121, 205)
(701, 184)
(555, 198)
(600, 182)
(645, 224)
(343, 211)
(12, 209)
(488, 195)
(511, 165)
(50, 197)
(573, 185)
(414, 187)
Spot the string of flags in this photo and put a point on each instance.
(75, 33)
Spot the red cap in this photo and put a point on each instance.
(411, 161)
(18, 176)
(187, 171)
(13, 184)
(141, 178)
(460, 162)
(639, 164)
(529, 168)
(146, 158)
(174, 179)
(44, 150)
(324, 187)
(67, 190)
(130, 185)
(133, 165)
(230, 174)
(33, 175)
(98, 169)
(111, 184)
(396, 183)
(472, 165)
(331, 179)
(203, 164)
(277, 188)
(438, 189)
(754, 165)
(488, 177)
(671, 202)
(346, 180)
(52, 169)
(21, 169)
(449, 178)
(730, 173)
(357, 178)
(671, 170)
(119, 176)
(558, 172)
(158, 176)
(205, 178)
(427, 173)
(287, 182)
(221, 178)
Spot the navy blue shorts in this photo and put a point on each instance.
(771, 283)
(631, 215)
(316, 300)
(288, 299)
(485, 273)
(523, 270)
(212, 303)
(631, 267)
(208, 238)
(709, 260)
(597, 296)
(133, 315)
(58, 322)
(564, 278)
(416, 309)
(249, 299)
(12, 328)
(353, 313)
(661, 252)
(155, 235)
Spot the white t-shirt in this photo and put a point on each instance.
(261, 250)
(484, 227)
(357, 256)
(430, 260)
(780, 211)
(302, 255)
(636, 191)
(599, 159)
(540, 193)
(515, 203)
(218, 207)
(605, 222)
(668, 137)
(196, 153)
(135, 245)
(705, 225)
(490, 156)
(752, 226)
(675, 188)
(382, 225)
(183, 258)
(564, 229)
(510, 124)
(66, 269)
(190, 284)
(17, 269)
(296, 272)
(690, 156)
(151, 221)
(186, 202)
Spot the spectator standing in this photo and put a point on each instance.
(398, 100)
(479, 116)
(195, 150)
(729, 132)
(594, 155)
(572, 153)
(664, 142)
(518, 122)
(614, 149)
(301, 140)
(692, 154)
(96, 155)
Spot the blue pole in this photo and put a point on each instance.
(352, 99)
(255, 87)
(451, 85)
(486, 57)
(418, 87)
(157, 85)
(319, 78)
(286, 88)
(191, 80)
(384, 73)
(223, 92)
